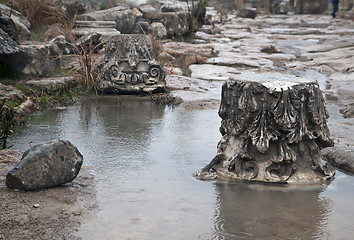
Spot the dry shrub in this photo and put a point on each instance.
(156, 46)
(40, 13)
(86, 71)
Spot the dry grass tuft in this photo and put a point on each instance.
(156, 46)
(40, 13)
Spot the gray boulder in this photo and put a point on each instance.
(9, 26)
(36, 60)
(340, 156)
(158, 30)
(176, 23)
(8, 48)
(46, 165)
(150, 12)
(22, 24)
(64, 47)
(247, 13)
(7, 44)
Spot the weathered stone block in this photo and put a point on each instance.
(36, 60)
(129, 67)
(273, 127)
(46, 165)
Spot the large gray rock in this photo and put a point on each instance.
(22, 24)
(176, 23)
(46, 165)
(36, 60)
(7, 44)
(248, 13)
(158, 30)
(8, 48)
(9, 26)
(340, 156)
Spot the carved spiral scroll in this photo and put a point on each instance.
(113, 73)
(279, 172)
(245, 168)
(155, 71)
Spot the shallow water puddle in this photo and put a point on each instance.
(145, 155)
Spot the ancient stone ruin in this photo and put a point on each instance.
(129, 67)
(273, 128)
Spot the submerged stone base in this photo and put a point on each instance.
(129, 67)
(273, 128)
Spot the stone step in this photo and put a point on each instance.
(105, 28)
(96, 24)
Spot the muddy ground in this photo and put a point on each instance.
(53, 213)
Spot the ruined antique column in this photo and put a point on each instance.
(129, 67)
(273, 127)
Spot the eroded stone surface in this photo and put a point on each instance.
(46, 165)
(273, 127)
(340, 156)
(128, 66)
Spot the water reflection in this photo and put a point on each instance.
(260, 212)
(145, 155)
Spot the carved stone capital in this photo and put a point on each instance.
(128, 66)
(273, 127)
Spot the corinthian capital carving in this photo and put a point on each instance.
(273, 127)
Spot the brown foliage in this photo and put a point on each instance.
(40, 13)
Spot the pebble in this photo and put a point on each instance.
(36, 205)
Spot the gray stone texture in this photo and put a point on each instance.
(22, 24)
(8, 25)
(36, 60)
(7, 44)
(46, 165)
(128, 66)
(340, 156)
(273, 128)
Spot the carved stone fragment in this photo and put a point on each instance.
(273, 128)
(128, 66)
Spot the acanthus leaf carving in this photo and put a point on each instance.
(272, 132)
(261, 130)
(129, 67)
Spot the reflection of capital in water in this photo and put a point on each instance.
(265, 212)
(118, 115)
